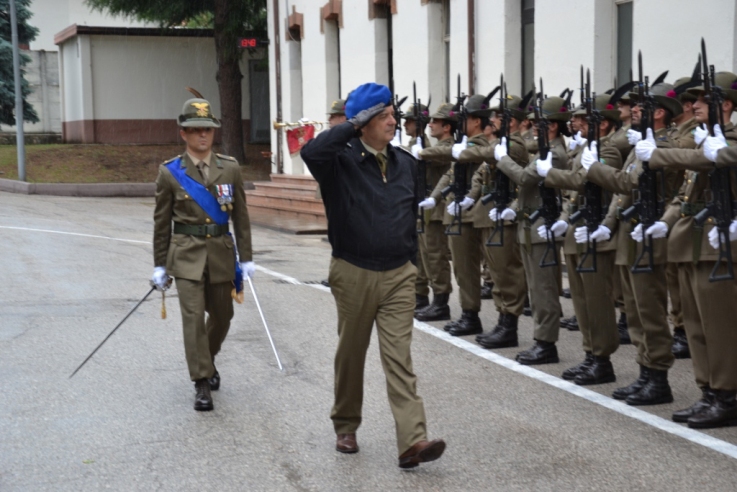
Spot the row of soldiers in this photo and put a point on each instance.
(524, 264)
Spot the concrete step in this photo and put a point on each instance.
(298, 179)
(293, 221)
(298, 203)
(286, 189)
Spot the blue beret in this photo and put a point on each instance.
(366, 96)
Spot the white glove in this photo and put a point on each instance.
(428, 203)
(657, 230)
(452, 209)
(645, 148)
(500, 150)
(304, 120)
(713, 235)
(714, 144)
(396, 140)
(543, 166)
(248, 268)
(588, 157)
(634, 136)
(160, 278)
(467, 203)
(602, 233)
(577, 141)
(507, 214)
(558, 229)
(416, 149)
(700, 133)
(459, 147)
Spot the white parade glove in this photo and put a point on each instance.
(452, 209)
(577, 141)
(428, 203)
(634, 136)
(459, 147)
(588, 157)
(657, 230)
(636, 233)
(467, 203)
(543, 166)
(602, 233)
(558, 229)
(500, 150)
(507, 214)
(159, 278)
(645, 148)
(581, 234)
(304, 120)
(395, 141)
(714, 144)
(416, 149)
(248, 268)
(700, 133)
(713, 238)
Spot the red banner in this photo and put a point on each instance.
(298, 137)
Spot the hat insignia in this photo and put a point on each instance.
(202, 108)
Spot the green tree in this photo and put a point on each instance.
(26, 34)
(229, 20)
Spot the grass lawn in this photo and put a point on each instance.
(71, 163)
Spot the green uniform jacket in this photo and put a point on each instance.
(727, 157)
(623, 181)
(483, 179)
(187, 256)
(682, 135)
(686, 242)
(574, 180)
(445, 154)
(435, 171)
(530, 142)
(619, 140)
(528, 195)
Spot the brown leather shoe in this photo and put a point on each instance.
(346, 443)
(422, 452)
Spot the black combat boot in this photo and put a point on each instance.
(624, 335)
(571, 324)
(655, 392)
(486, 290)
(203, 399)
(721, 413)
(571, 373)
(438, 310)
(503, 335)
(498, 326)
(680, 344)
(599, 372)
(623, 393)
(527, 310)
(421, 302)
(707, 398)
(469, 324)
(540, 353)
(567, 293)
(214, 380)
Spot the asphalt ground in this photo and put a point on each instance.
(71, 268)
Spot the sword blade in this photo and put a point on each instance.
(114, 329)
(268, 333)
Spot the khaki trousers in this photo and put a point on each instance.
(434, 253)
(709, 314)
(544, 300)
(466, 251)
(646, 305)
(507, 271)
(674, 291)
(203, 339)
(422, 285)
(591, 294)
(363, 297)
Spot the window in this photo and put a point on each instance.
(528, 45)
(624, 42)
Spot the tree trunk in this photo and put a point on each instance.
(229, 83)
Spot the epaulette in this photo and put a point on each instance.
(399, 147)
(170, 160)
(222, 156)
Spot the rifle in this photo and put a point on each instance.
(459, 186)
(550, 200)
(646, 203)
(590, 209)
(501, 194)
(398, 115)
(421, 183)
(720, 206)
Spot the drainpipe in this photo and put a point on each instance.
(277, 62)
(471, 46)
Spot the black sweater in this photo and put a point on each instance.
(371, 224)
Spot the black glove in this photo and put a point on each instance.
(362, 118)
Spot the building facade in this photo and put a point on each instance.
(326, 48)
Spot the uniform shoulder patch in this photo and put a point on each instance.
(223, 156)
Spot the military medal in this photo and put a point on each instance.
(225, 196)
